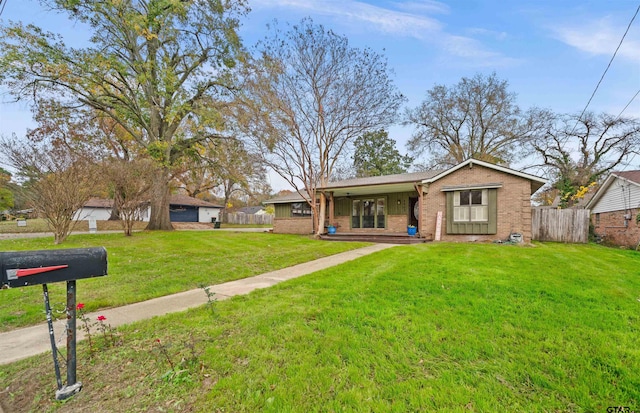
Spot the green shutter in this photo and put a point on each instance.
(493, 211)
(449, 215)
(474, 228)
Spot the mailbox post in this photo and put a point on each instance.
(25, 268)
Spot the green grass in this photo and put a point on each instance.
(154, 264)
(439, 327)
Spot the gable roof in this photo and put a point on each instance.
(99, 203)
(536, 181)
(402, 182)
(189, 201)
(382, 180)
(632, 177)
(249, 210)
(286, 198)
(378, 184)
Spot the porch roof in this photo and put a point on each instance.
(379, 184)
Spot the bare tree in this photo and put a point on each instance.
(59, 182)
(311, 96)
(131, 183)
(476, 118)
(580, 150)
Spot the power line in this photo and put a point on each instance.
(2, 3)
(607, 69)
(625, 108)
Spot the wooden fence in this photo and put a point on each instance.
(247, 219)
(560, 225)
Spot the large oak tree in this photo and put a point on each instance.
(476, 118)
(311, 95)
(150, 65)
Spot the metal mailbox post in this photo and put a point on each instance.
(24, 268)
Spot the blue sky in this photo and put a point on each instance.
(552, 52)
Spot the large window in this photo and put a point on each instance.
(300, 209)
(368, 213)
(472, 211)
(471, 206)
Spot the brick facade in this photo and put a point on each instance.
(512, 207)
(514, 203)
(300, 226)
(615, 229)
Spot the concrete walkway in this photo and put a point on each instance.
(26, 342)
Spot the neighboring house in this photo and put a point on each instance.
(95, 209)
(615, 208)
(472, 201)
(251, 210)
(182, 208)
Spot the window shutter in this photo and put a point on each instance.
(493, 211)
(449, 215)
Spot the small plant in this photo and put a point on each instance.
(109, 339)
(165, 353)
(211, 299)
(179, 373)
(107, 331)
(86, 326)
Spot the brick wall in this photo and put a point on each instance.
(292, 225)
(514, 203)
(611, 227)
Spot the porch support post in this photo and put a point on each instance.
(331, 208)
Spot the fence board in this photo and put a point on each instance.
(247, 219)
(560, 225)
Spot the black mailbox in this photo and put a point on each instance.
(19, 269)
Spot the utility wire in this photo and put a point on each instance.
(2, 3)
(607, 69)
(625, 108)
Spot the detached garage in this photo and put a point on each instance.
(183, 208)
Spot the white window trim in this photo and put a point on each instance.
(469, 213)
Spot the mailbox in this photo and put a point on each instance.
(22, 268)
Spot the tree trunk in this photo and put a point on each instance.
(159, 219)
(321, 214)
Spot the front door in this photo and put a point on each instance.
(414, 211)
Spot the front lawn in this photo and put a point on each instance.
(436, 327)
(155, 264)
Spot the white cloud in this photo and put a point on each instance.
(424, 6)
(487, 33)
(410, 19)
(383, 20)
(601, 37)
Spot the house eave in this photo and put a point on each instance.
(536, 181)
(372, 189)
(605, 186)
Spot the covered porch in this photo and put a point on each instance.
(379, 209)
